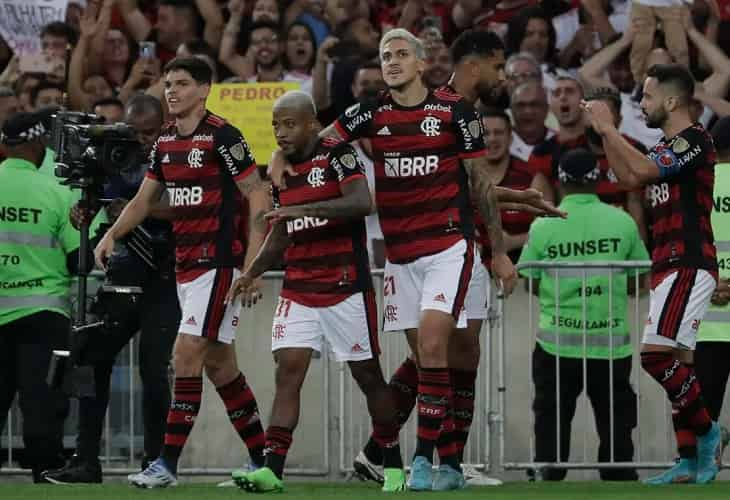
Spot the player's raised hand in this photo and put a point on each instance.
(279, 167)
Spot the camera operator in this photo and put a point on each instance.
(156, 313)
(38, 254)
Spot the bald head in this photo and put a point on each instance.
(296, 101)
(294, 119)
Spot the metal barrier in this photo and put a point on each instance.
(648, 426)
(338, 425)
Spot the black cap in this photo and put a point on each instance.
(721, 134)
(23, 127)
(578, 166)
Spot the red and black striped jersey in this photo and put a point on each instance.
(328, 260)
(421, 186)
(546, 157)
(680, 203)
(519, 176)
(200, 171)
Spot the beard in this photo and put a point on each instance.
(656, 119)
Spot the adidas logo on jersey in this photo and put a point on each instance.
(384, 131)
(166, 158)
(440, 298)
(191, 321)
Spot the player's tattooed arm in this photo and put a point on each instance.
(258, 195)
(484, 193)
(355, 202)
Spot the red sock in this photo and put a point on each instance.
(184, 410)
(404, 384)
(679, 380)
(434, 398)
(244, 415)
(278, 441)
(463, 383)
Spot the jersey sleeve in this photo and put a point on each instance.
(154, 171)
(346, 164)
(688, 151)
(233, 151)
(355, 122)
(469, 131)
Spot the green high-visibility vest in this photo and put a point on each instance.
(715, 326)
(593, 231)
(35, 236)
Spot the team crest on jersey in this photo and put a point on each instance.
(316, 177)
(431, 126)
(195, 158)
(680, 145)
(238, 151)
(349, 161)
(352, 110)
(475, 129)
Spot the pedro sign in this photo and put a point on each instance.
(248, 106)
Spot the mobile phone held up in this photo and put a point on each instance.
(147, 50)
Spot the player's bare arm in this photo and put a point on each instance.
(259, 202)
(269, 254)
(530, 200)
(355, 202)
(484, 192)
(133, 214)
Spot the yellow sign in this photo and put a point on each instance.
(248, 107)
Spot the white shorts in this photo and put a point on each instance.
(349, 327)
(436, 282)
(477, 296)
(202, 302)
(677, 306)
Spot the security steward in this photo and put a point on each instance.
(38, 255)
(712, 355)
(593, 231)
(156, 314)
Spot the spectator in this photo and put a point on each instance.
(9, 104)
(177, 22)
(263, 10)
(24, 86)
(484, 14)
(46, 94)
(558, 358)
(439, 66)
(111, 109)
(300, 51)
(508, 171)
(200, 49)
(529, 107)
(532, 31)
(710, 93)
(644, 16)
(55, 37)
(119, 54)
(419, 15)
(97, 87)
(322, 16)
